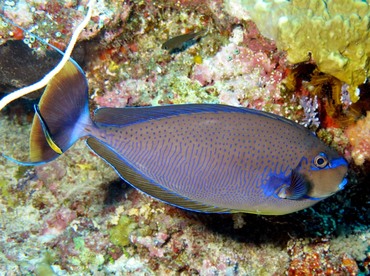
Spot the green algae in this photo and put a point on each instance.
(120, 234)
(79, 243)
(86, 257)
(4, 188)
(7, 194)
(20, 172)
(44, 268)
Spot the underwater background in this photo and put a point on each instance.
(305, 60)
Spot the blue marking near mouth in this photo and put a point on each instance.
(338, 162)
(343, 184)
(335, 163)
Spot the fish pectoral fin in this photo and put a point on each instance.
(144, 184)
(297, 189)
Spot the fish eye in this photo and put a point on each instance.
(320, 161)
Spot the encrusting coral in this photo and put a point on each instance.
(359, 138)
(335, 35)
(44, 81)
(73, 216)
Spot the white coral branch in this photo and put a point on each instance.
(45, 80)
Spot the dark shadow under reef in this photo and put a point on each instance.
(22, 66)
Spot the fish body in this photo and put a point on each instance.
(200, 157)
(180, 42)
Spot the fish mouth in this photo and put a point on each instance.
(340, 162)
(328, 181)
(341, 186)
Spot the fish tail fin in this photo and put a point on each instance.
(61, 116)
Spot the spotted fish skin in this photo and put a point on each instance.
(209, 158)
(221, 158)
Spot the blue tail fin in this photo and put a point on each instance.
(61, 116)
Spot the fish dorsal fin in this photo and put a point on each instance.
(139, 181)
(132, 115)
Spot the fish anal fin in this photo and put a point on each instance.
(145, 185)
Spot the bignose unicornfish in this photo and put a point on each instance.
(200, 157)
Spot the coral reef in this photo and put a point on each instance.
(334, 35)
(359, 138)
(73, 216)
(238, 73)
(332, 107)
(139, 72)
(54, 21)
(314, 257)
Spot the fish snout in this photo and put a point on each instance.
(328, 181)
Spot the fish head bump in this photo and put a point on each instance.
(325, 171)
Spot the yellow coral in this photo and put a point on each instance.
(335, 34)
(120, 233)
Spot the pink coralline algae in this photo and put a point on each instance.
(315, 258)
(124, 93)
(153, 245)
(55, 21)
(19, 13)
(243, 76)
(58, 221)
(73, 210)
(359, 138)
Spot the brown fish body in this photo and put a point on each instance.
(224, 159)
(201, 157)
